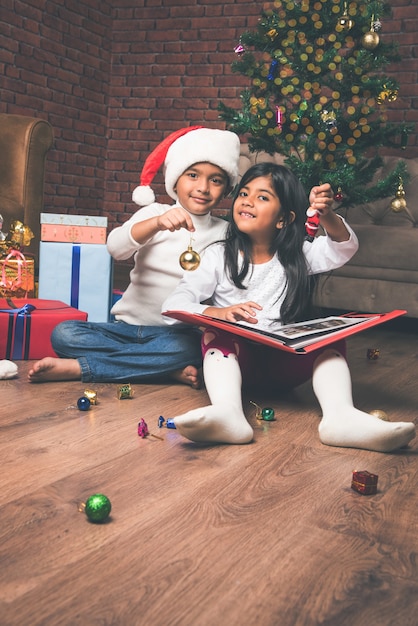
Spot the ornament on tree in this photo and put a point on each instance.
(371, 39)
(273, 69)
(377, 24)
(239, 49)
(189, 259)
(345, 22)
(398, 203)
(338, 196)
(279, 117)
(387, 93)
(329, 118)
(404, 138)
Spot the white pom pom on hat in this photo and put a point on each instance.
(180, 150)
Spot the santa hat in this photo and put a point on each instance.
(181, 150)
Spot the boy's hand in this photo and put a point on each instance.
(321, 198)
(245, 312)
(174, 219)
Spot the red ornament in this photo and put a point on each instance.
(312, 222)
(338, 196)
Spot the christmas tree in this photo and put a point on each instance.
(318, 94)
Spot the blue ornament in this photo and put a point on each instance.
(272, 71)
(83, 403)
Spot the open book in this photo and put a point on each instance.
(301, 337)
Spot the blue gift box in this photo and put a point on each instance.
(79, 275)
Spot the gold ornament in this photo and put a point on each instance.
(398, 203)
(380, 414)
(390, 94)
(190, 259)
(370, 40)
(345, 22)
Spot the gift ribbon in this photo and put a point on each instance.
(75, 275)
(19, 330)
(13, 284)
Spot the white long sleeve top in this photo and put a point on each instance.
(157, 271)
(266, 282)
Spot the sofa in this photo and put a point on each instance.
(24, 143)
(383, 274)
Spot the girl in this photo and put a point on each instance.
(263, 273)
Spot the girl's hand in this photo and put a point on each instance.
(321, 199)
(174, 219)
(245, 312)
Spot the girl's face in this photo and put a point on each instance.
(257, 210)
(201, 188)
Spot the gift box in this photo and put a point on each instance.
(17, 276)
(79, 275)
(26, 326)
(364, 482)
(73, 228)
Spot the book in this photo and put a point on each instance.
(301, 337)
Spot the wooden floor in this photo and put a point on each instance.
(266, 534)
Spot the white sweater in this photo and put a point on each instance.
(265, 282)
(157, 271)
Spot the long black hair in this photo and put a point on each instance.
(287, 243)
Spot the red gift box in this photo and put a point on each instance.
(26, 326)
(364, 482)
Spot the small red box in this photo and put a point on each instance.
(364, 482)
(26, 326)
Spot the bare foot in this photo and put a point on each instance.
(190, 375)
(52, 368)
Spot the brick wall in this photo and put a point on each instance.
(115, 77)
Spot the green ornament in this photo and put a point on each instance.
(97, 507)
(267, 414)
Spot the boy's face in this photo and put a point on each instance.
(201, 187)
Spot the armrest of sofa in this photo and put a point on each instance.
(24, 143)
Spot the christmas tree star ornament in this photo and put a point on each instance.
(97, 507)
(189, 259)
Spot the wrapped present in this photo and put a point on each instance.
(73, 228)
(17, 276)
(364, 482)
(79, 275)
(26, 326)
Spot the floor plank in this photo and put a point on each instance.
(269, 533)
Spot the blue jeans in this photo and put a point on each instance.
(120, 352)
